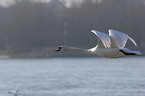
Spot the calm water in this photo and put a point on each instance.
(73, 77)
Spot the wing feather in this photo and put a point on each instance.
(103, 39)
(114, 43)
(132, 41)
(121, 38)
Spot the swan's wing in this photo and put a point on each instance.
(133, 41)
(100, 44)
(121, 38)
(114, 42)
(103, 39)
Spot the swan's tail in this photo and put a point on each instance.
(126, 51)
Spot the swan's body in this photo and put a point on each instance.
(109, 46)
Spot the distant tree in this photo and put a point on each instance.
(29, 25)
(122, 15)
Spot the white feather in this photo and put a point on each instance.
(132, 41)
(120, 37)
(105, 39)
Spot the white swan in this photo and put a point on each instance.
(109, 46)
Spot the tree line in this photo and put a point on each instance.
(30, 25)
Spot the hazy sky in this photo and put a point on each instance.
(67, 3)
(7, 3)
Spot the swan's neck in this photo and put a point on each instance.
(74, 49)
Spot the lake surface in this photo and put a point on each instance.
(73, 77)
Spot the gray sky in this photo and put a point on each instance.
(7, 3)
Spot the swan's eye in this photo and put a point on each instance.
(59, 48)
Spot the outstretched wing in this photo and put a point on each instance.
(114, 42)
(103, 39)
(121, 38)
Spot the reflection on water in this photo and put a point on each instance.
(73, 77)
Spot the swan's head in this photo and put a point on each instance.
(65, 48)
(58, 49)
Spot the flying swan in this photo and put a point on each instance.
(109, 46)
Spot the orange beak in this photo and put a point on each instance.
(57, 50)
